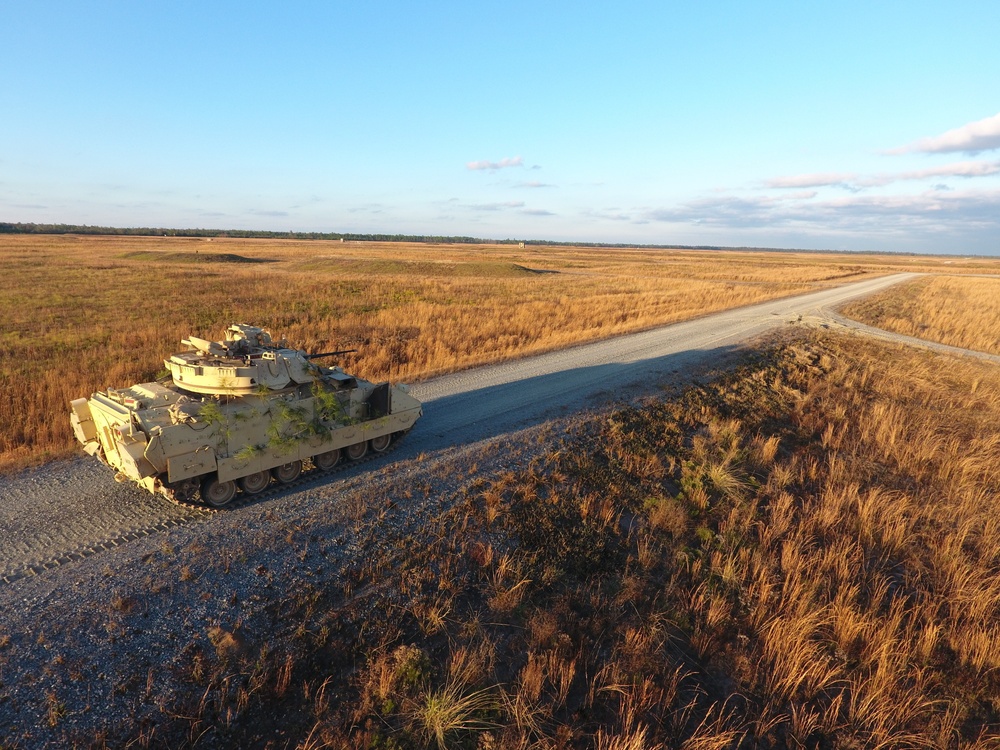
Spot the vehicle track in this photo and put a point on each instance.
(155, 515)
(66, 511)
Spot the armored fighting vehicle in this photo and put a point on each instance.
(237, 413)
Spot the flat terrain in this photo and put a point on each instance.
(85, 313)
(455, 573)
(746, 527)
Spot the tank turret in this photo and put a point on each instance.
(235, 414)
(245, 362)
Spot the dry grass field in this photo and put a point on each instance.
(83, 313)
(799, 553)
(960, 311)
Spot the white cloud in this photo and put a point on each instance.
(533, 184)
(515, 161)
(827, 179)
(982, 135)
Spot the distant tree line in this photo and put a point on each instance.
(19, 228)
(28, 228)
(23, 228)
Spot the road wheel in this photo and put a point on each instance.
(181, 492)
(254, 483)
(287, 472)
(216, 493)
(326, 461)
(381, 444)
(356, 451)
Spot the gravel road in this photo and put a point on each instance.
(105, 582)
(68, 510)
(504, 394)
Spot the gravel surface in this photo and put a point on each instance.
(107, 585)
(71, 509)
(97, 648)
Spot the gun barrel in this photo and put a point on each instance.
(330, 354)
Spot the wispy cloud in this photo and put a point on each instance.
(725, 210)
(972, 138)
(855, 182)
(824, 179)
(514, 161)
(610, 214)
(946, 212)
(537, 212)
(494, 206)
(956, 169)
(533, 184)
(366, 208)
(308, 201)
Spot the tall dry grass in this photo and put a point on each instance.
(959, 311)
(84, 313)
(800, 553)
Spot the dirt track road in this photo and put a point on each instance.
(485, 401)
(69, 510)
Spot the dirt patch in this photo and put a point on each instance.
(420, 268)
(195, 257)
(525, 269)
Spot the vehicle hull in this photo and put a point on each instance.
(169, 441)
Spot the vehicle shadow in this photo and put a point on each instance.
(493, 411)
(497, 410)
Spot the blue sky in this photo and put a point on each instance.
(849, 125)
